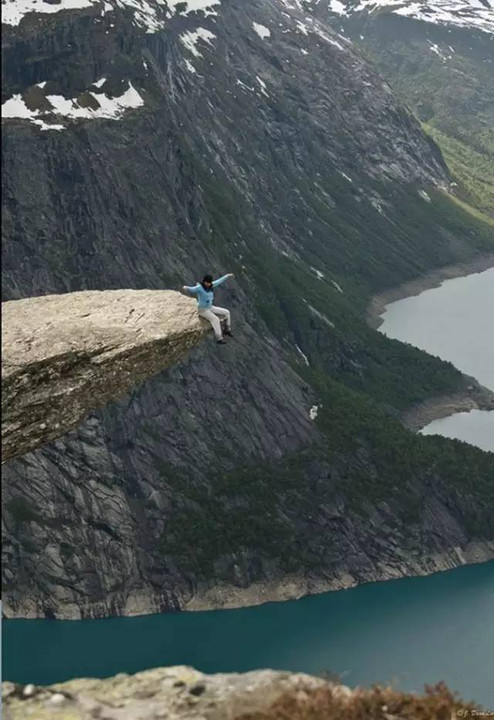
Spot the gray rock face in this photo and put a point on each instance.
(64, 355)
(286, 159)
(174, 693)
(438, 58)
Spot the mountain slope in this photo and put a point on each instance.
(471, 14)
(439, 57)
(248, 137)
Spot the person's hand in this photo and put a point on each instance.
(231, 275)
(184, 288)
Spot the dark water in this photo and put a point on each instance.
(408, 632)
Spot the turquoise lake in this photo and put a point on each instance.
(407, 632)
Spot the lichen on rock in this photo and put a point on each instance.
(64, 355)
(183, 693)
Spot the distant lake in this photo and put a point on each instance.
(455, 322)
(408, 632)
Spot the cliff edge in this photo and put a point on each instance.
(182, 693)
(65, 355)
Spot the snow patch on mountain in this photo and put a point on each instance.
(476, 14)
(261, 30)
(68, 108)
(190, 40)
(195, 5)
(337, 7)
(14, 10)
(149, 14)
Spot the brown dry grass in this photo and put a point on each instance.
(437, 703)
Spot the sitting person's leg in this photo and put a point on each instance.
(213, 319)
(223, 314)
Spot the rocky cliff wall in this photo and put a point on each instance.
(265, 144)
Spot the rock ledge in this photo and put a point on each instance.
(182, 693)
(65, 355)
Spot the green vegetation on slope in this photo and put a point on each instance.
(471, 162)
(445, 77)
(359, 251)
(366, 460)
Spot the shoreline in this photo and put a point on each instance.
(430, 280)
(473, 396)
(224, 596)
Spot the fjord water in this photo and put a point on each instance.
(455, 322)
(407, 632)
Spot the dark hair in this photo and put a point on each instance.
(206, 279)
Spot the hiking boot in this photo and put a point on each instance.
(220, 342)
(228, 332)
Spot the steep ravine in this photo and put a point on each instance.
(286, 159)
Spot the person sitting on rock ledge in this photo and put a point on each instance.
(205, 307)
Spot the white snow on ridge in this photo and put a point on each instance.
(190, 39)
(338, 7)
(14, 10)
(195, 5)
(463, 13)
(110, 108)
(189, 66)
(261, 30)
(150, 14)
(15, 107)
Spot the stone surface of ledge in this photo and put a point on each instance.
(66, 355)
(182, 693)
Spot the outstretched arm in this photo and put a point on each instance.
(222, 279)
(191, 289)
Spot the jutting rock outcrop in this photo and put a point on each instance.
(65, 355)
(182, 693)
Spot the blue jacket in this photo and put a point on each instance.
(205, 297)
